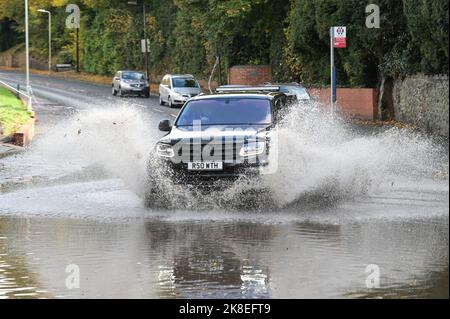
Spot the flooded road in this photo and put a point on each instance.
(144, 254)
(72, 201)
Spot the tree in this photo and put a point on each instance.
(291, 35)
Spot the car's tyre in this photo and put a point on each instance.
(161, 102)
(147, 94)
(169, 102)
(120, 93)
(114, 92)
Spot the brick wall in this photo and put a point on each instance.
(359, 103)
(249, 74)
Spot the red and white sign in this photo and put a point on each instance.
(340, 37)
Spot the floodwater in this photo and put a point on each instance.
(346, 206)
(184, 254)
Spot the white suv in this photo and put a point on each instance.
(177, 89)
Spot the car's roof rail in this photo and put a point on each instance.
(247, 89)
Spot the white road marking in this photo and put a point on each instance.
(173, 115)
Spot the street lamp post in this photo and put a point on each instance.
(49, 38)
(27, 49)
(145, 46)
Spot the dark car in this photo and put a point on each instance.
(222, 136)
(294, 89)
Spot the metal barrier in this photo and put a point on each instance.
(29, 102)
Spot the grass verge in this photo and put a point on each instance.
(13, 113)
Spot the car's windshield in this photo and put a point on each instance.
(226, 111)
(132, 76)
(184, 83)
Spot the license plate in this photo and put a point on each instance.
(205, 166)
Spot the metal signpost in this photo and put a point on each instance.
(146, 41)
(338, 40)
(73, 22)
(144, 48)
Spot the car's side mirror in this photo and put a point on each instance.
(165, 126)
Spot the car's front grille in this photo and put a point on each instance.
(137, 85)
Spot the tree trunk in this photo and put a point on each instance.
(386, 99)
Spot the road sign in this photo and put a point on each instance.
(340, 37)
(144, 48)
(338, 40)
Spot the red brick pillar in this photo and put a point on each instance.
(249, 74)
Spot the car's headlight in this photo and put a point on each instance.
(165, 150)
(252, 149)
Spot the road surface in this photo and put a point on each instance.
(70, 206)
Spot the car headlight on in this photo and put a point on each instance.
(252, 149)
(164, 150)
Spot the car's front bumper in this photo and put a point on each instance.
(179, 173)
(180, 101)
(137, 91)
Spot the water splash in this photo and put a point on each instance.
(115, 141)
(321, 159)
(321, 154)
